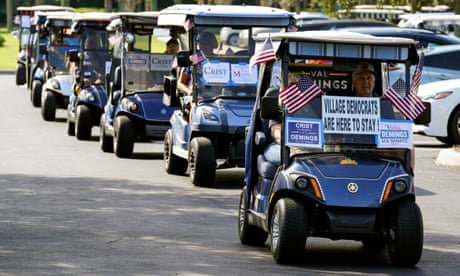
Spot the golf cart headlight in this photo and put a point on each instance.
(209, 116)
(55, 84)
(400, 186)
(132, 106)
(87, 95)
(300, 181)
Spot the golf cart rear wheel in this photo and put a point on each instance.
(36, 93)
(20, 74)
(105, 141)
(288, 231)
(249, 234)
(49, 107)
(83, 123)
(201, 161)
(406, 235)
(173, 163)
(123, 140)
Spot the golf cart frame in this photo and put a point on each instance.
(336, 181)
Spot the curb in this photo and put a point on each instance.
(7, 71)
(448, 157)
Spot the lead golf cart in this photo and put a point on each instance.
(345, 166)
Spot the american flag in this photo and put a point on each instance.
(198, 57)
(266, 54)
(417, 75)
(188, 25)
(298, 95)
(410, 106)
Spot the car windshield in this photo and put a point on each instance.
(337, 120)
(224, 69)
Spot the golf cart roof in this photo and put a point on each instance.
(342, 44)
(31, 10)
(93, 16)
(132, 18)
(220, 15)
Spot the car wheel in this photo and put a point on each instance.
(105, 141)
(83, 123)
(123, 140)
(49, 107)
(249, 234)
(232, 40)
(201, 162)
(173, 163)
(453, 127)
(406, 235)
(288, 231)
(36, 93)
(20, 74)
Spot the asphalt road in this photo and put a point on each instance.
(67, 208)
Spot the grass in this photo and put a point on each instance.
(9, 50)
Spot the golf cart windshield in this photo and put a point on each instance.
(96, 58)
(336, 119)
(224, 71)
(61, 43)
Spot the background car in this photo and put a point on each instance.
(444, 97)
(424, 38)
(334, 24)
(440, 63)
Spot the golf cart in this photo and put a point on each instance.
(223, 85)
(345, 166)
(57, 88)
(135, 111)
(90, 66)
(30, 37)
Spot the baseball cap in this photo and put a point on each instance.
(364, 66)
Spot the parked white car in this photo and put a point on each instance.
(444, 97)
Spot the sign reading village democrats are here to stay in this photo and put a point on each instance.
(351, 115)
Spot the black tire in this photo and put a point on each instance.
(406, 235)
(48, 109)
(249, 234)
(288, 231)
(173, 163)
(123, 140)
(375, 243)
(36, 93)
(83, 123)
(20, 74)
(453, 128)
(201, 162)
(105, 141)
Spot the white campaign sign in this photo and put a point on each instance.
(216, 72)
(135, 61)
(160, 62)
(351, 115)
(395, 134)
(242, 74)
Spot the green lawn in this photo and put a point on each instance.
(9, 50)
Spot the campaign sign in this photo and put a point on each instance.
(351, 115)
(243, 74)
(160, 62)
(136, 61)
(303, 132)
(215, 71)
(395, 134)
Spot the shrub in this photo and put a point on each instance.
(2, 40)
